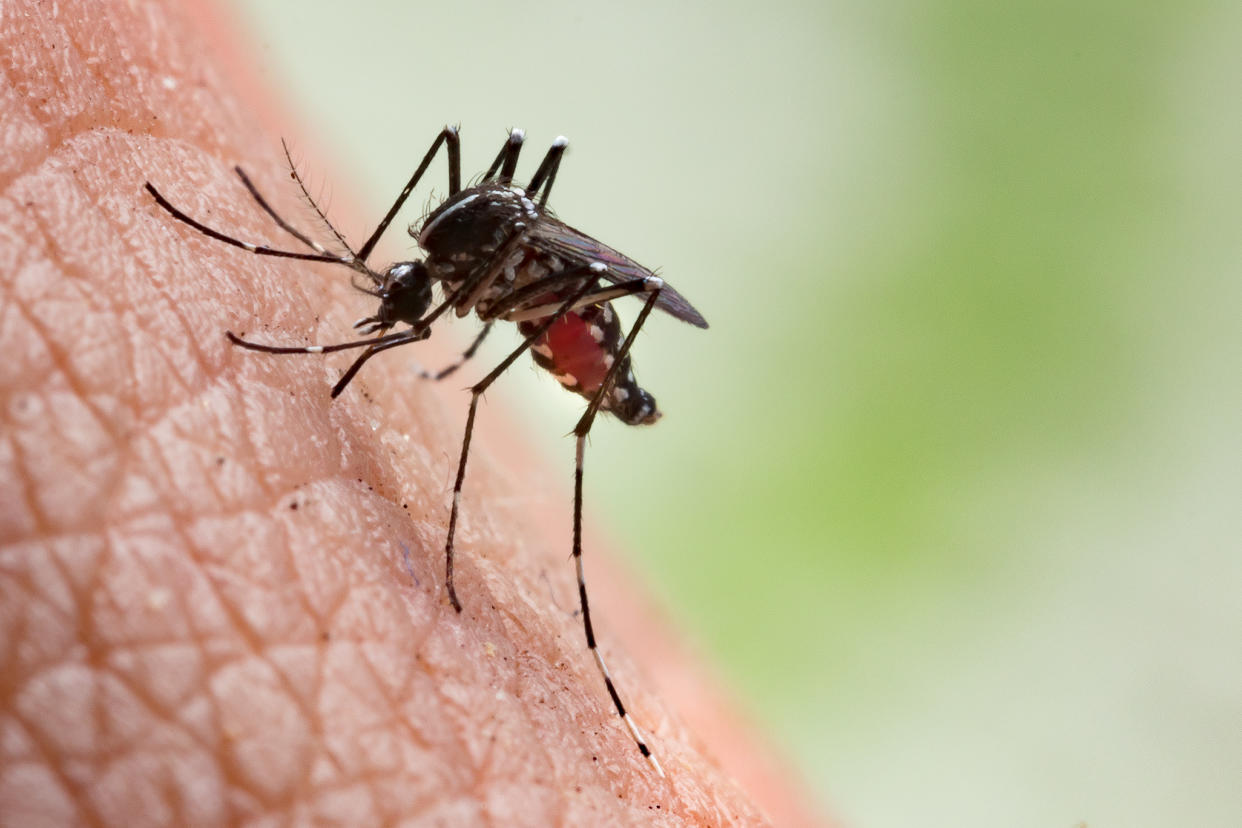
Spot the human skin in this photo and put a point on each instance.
(221, 592)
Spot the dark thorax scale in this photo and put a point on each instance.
(496, 251)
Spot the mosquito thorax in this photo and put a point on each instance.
(405, 294)
(471, 226)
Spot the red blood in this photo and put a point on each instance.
(575, 352)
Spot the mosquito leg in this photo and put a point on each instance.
(409, 336)
(260, 249)
(401, 337)
(466, 297)
(373, 346)
(449, 136)
(462, 360)
(515, 307)
(547, 169)
(590, 275)
(507, 303)
(507, 158)
(581, 430)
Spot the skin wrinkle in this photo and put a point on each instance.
(51, 762)
(249, 637)
(257, 648)
(105, 662)
(33, 510)
(60, 359)
(152, 701)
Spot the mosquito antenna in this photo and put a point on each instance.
(306, 196)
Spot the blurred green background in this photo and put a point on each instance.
(952, 485)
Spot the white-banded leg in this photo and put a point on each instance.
(581, 430)
(356, 261)
(418, 332)
(507, 159)
(516, 305)
(547, 169)
(373, 346)
(590, 275)
(258, 249)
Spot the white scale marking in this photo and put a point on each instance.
(427, 228)
(599, 658)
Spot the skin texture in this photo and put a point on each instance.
(220, 591)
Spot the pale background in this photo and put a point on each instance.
(951, 487)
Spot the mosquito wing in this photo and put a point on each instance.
(559, 239)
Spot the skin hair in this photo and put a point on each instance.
(221, 590)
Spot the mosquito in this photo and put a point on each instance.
(495, 249)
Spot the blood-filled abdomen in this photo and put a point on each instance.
(579, 349)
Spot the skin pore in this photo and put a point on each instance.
(221, 590)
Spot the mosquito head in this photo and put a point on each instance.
(405, 294)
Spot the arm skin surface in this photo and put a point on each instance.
(220, 591)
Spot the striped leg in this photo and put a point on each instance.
(590, 275)
(506, 160)
(581, 430)
(547, 172)
(373, 346)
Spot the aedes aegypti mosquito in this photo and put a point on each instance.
(496, 250)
